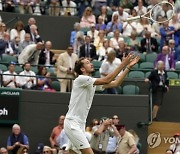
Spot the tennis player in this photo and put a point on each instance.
(81, 99)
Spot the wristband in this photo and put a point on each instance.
(128, 68)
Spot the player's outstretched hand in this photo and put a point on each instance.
(127, 60)
(134, 61)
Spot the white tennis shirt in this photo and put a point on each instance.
(81, 98)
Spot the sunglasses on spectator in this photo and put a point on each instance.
(115, 118)
(46, 151)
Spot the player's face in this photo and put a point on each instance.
(87, 67)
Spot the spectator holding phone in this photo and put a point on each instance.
(101, 134)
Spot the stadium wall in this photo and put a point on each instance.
(55, 29)
(39, 112)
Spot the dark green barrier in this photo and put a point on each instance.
(9, 105)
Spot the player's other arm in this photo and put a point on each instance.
(110, 77)
(120, 78)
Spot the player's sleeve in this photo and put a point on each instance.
(84, 81)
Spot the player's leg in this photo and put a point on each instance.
(74, 131)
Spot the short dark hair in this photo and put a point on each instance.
(26, 64)
(78, 66)
(70, 46)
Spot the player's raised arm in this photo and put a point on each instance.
(120, 78)
(110, 77)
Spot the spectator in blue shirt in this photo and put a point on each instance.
(74, 32)
(17, 140)
(114, 24)
(100, 25)
(167, 33)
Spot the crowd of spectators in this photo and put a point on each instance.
(106, 136)
(77, 7)
(101, 31)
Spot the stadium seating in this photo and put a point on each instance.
(96, 64)
(85, 30)
(142, 57)
(34, 69)
(18, 69)
(136, 74)
(172, 75)
(7, 59)
(150, 57)
(3, 67)
(55, 85)
(147, 74)
(146, 66)
(97, 74)
(119, 89)
(130, 90)
(178, 66)
(135, 67)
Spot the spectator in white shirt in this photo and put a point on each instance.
(143, 26)
(156, 27)
(114, 41)
(128, 27)
(30, 54)
(62, 141)
(79, 41)
(122, 15)
(10, 80)
(93, 33)
(108, 66)
(69, 8)
(104, 50)
(140, 9)
(18, 31)
(27, 78)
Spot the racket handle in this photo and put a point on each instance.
(133, 18)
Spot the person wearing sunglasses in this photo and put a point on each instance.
(112, 142)
(49, 150)
(22, 150)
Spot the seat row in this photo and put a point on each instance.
(142, 75)
(126, 90)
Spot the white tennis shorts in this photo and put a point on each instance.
(76, 134)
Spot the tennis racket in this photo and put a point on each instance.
(156, 10)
